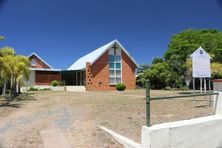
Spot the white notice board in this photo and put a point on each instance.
(201, 64)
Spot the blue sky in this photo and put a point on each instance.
(61, 31)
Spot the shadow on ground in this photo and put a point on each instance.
(16, 102)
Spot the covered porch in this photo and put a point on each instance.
(73, 77)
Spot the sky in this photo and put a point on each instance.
(61, 31)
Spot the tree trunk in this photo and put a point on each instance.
(11, 87)
(4, 88)
(19, 87)
(15, 87)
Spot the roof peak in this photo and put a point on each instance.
(33, 53)
(95, 55)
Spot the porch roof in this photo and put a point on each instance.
(45, 69)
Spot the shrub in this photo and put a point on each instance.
(61, 83)
(120, 87)
(45, 89)
(54, 83)
(33, 89)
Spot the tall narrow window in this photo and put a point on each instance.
(33, 62)
(115, 66)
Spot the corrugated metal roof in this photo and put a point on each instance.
(93, 56)
(45, 69)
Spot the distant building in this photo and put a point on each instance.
(101, 69)
(41, 73)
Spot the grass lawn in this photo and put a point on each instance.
(78, 116)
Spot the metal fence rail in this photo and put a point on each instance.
(149, 99)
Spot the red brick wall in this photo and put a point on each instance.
(39, 63)
(97, 75)
(128, 72)
(45, 77)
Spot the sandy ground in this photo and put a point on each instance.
(78, 115)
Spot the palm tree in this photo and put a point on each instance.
(4, 53)
(21, 71)
(14, 68)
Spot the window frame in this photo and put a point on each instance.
(33, 62)
(115, 69)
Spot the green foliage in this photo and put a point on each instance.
(44, 89)
(158, 74)
(33, 89)
(61, 83)
(2, 38)
(175, 68)
(13, 68)
(55, 83)
(157, 60)
(216, 70)
(186, 42)
(6, 51)
(120, 87)
(184, 87)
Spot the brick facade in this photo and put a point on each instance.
(97, 74)
(46, 77)
(39, 63)
(128, 72)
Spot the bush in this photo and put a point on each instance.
(61, 83)
(33, 89)
(54, 83)
(120, 87)
(45, 89)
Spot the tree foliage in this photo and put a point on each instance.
(2, 38)
(174, 69)
(14, 68)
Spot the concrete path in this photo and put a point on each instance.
(54, 139)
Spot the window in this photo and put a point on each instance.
(115, 67)
(33, 62)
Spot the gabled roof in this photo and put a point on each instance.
(201, 51)
(40, 59)
(95, 55)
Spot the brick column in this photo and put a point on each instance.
(88, 76)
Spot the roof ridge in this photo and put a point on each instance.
(33, 53)
(95, 55)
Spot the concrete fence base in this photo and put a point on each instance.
(204, 132)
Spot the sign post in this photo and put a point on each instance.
(201, 68)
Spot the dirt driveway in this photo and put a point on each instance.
(78, 115)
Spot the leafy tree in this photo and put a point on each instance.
(158, 74)
(177, 68)
(182, 45)
(216, 70)
(157, 60)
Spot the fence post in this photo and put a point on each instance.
(148, 102)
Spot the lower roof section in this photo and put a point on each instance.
(45, 69)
